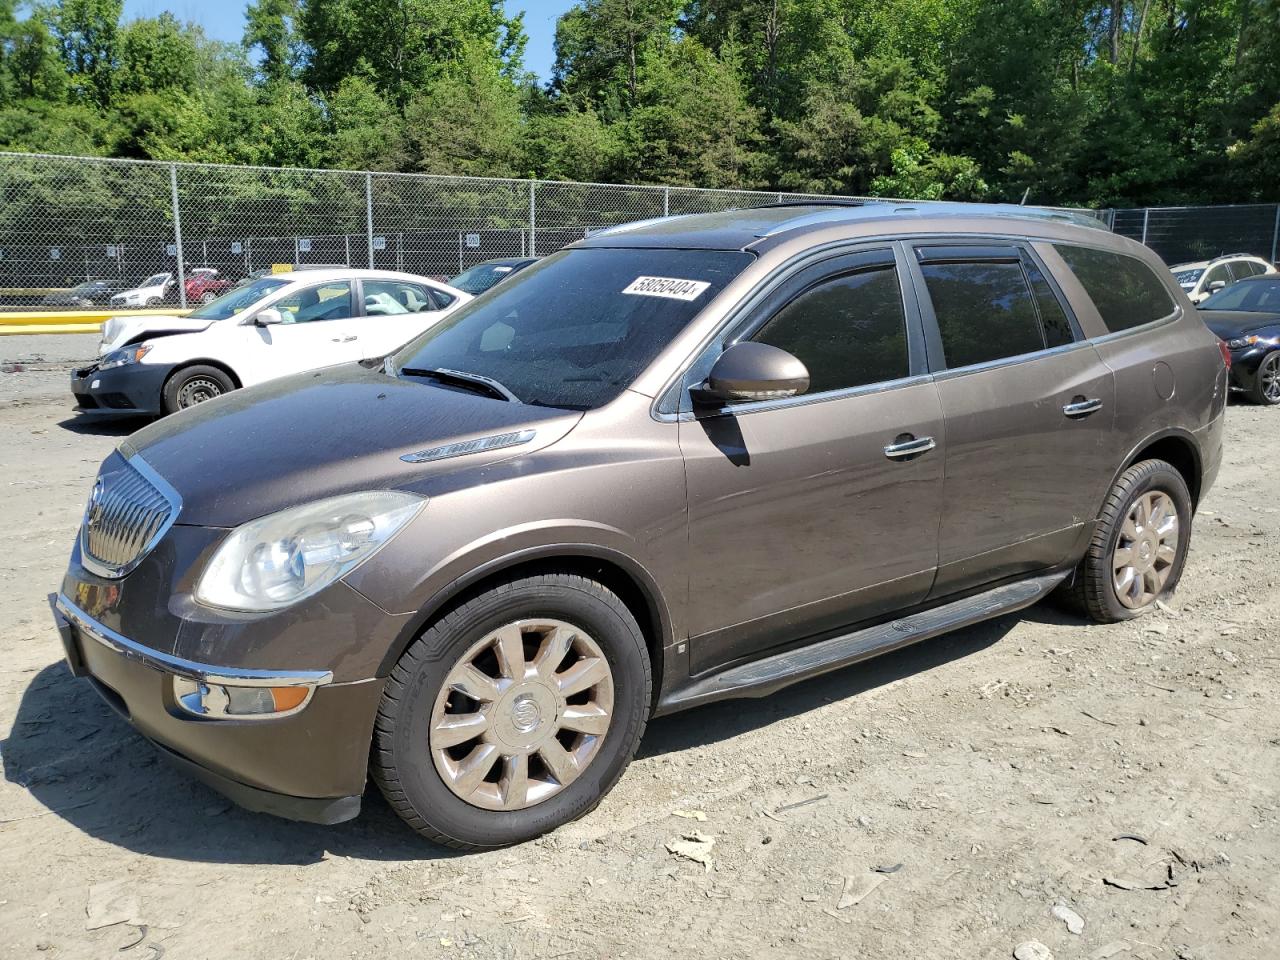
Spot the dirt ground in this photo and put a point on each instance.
(1129, 773)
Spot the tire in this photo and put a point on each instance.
(192, 385)
(1093, 591)
(1266, 382)
(208, 296)
(411, 765)
(152, 302)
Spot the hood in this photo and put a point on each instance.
(1232, 323)
(119, 331)
(255, 451)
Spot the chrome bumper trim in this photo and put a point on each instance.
(203, 672)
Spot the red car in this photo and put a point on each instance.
(205, 284)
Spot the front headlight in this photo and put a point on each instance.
(125, 355)
(278, 560)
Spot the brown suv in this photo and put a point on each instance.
(683, 460)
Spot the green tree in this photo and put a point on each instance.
(155, 55)
(86, 32)
(270, 29)
(367, 130)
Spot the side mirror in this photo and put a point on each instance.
(268, 316)
(1217, 285)
(753, 371)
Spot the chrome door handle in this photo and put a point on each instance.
(1080, 407)
(909, 446)
(344, 339)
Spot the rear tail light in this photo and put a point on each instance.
(1226, 354)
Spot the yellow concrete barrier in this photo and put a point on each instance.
(32, 322)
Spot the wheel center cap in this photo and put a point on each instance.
(1144, 551)
(525, 714)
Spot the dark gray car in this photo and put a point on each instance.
(684, 460)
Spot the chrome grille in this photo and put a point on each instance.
(129, 510)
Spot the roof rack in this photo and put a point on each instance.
(873, 208)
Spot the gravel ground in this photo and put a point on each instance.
(1126, 773)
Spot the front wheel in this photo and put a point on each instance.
(514, 713)
(208, 296)
(192, 385)
(1266, 383)
(1139, 545)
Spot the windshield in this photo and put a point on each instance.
(577, 328)
(1188, 278)
(238, 300)
(91, 286)
(481, 277)
(154, 280)
(1251, 296)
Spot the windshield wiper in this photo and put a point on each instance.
(468, 381)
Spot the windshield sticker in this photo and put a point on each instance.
(669, 287)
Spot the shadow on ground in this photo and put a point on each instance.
(104, 426)
(82, 762)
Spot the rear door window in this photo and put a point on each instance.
(848, 330)
(990, 303)
(387, 298)
(1125, 290)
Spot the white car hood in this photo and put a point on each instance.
(118, 331)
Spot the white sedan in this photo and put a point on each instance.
(277, 325)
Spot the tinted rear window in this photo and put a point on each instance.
(577, 328)
(1124, 289)
(984, 309)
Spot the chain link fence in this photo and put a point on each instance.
(76, 231)
(1183, 234)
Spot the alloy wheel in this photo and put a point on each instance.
(1269, 377)
(1146, 550)
(198, 390)
(521, 714)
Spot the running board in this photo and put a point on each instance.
(763, 677)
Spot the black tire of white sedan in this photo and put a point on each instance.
(1266, 383)
(1139, 546)
(514, 713)
(192, 385)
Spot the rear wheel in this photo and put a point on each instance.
(208, 296)
(1266, 383)
(514, 713)
(1139, 546)
(192, 385)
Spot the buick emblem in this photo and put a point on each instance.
(95, 503)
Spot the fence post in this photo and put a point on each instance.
(666, 201)
(1146, 217)
(533, 219)
(177, 235)
(1275, 235)
(368, 214)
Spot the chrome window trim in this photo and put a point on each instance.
(1174, 317)
(190, 669)
(951, 373)
(804, 399)
(166, 490)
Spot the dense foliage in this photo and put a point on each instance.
(1100, 102)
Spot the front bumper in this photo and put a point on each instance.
(309, 765)
(132, 389)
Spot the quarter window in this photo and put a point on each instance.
(1124, 289)
(984, 310)
(848, 330)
